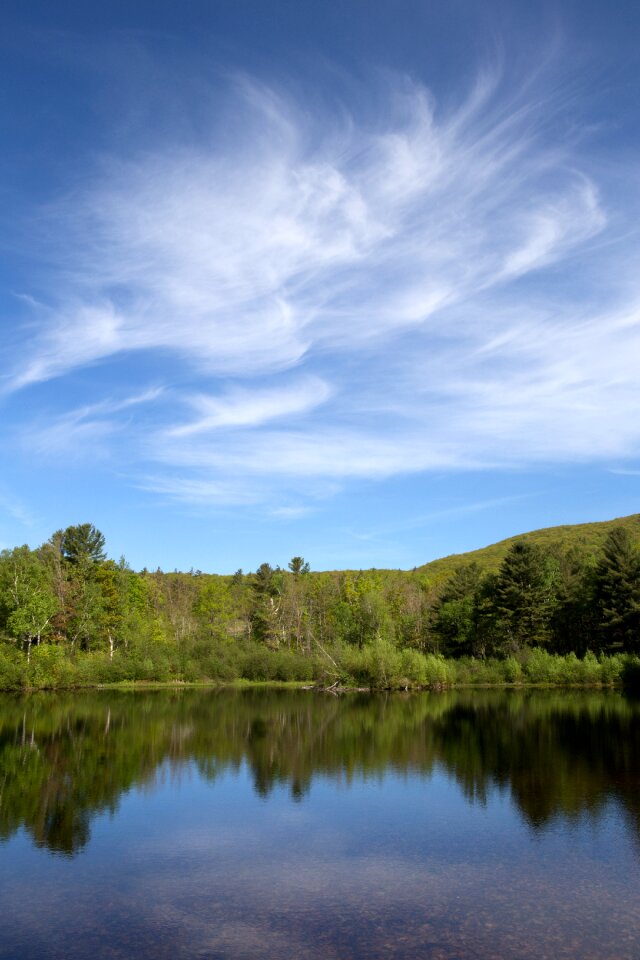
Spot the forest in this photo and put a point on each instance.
(555, 608)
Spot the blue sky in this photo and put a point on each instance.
(357, 281)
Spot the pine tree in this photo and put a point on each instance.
(523, 598)
(456, 615)
(266, 584)
(573, 623)
(617, 592)
(83, 544)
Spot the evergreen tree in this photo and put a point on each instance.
(573, 623)
(83, 544)
(456, 615)
(616, 588)
(265, 611)
(523, 598)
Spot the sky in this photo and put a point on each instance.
(357, 280)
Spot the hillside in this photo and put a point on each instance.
(586, 537)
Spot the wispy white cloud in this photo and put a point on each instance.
(305, 232)
(348, 294)
(11, 506)
(241, 407)
(201, 490)
(292, 512)
(425, 519)
(84, 431)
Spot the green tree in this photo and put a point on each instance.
(616, 586)
(523, 597)
(456, 616)
(361, 615)
(298, 566)
(51, 554)
(84, 607)
(27, 600)
(574, 619)
(111, 611)
(294, 608)
(267, 586)
(83, 544)
(215, 607)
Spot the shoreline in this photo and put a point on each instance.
(138, 686)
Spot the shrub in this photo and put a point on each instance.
(542, 667)
(587, 670)
(512, 670)
(50, 667)
(12, 668)
(612, 668)
(383, 664)
(439, 671)
(631, 671)
(414, 667)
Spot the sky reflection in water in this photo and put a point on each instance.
(271, 824)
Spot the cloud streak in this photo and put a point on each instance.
(346, 294)
(84, 432)
(251, 408)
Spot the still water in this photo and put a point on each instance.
(271, 824)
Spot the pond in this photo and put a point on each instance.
(292, 824)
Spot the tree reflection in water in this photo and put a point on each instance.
(64, 759)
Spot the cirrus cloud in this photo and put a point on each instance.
(400, 288)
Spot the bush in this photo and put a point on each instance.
(440, 672)
(631, 671)
(543, 667)
(50, 667)
(512, 670)
(93, 668)
(192, 671)
(12, 668)
(255, 664)
(383, 663)
(222, 665)
(612, 668)
(414, 667)
(587, 670)
(381, 666)
(378, 665)
(258, 663)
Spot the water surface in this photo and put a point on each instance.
(473, 824)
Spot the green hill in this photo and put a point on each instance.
(585, 537)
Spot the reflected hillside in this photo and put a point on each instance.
(66, 759)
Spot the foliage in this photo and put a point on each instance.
(82, 544)
(522, 598)
(546, 614)
(27, 601)
(617, 592)
(583, 539)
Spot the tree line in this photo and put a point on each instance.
(69, 615)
